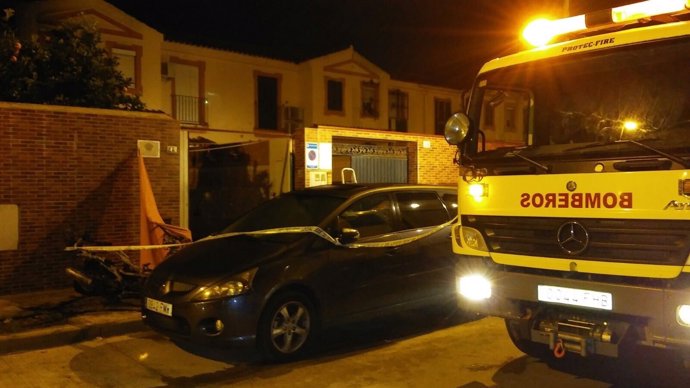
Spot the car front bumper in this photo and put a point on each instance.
(644, 315)
(223, 323)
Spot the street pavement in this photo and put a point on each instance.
(45, 319)
(409, 352)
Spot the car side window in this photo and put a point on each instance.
(451, 201)
(421, 209)
(371, 216)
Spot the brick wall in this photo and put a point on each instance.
(72, 171)
(433, 165)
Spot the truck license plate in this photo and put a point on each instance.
(159, 307)
(575, 297)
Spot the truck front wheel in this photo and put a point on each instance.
(519, 333)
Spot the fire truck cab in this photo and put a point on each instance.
(574, 224)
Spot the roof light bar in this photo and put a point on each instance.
(541, 31)
(646, 9)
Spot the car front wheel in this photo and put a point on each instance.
(287, 327)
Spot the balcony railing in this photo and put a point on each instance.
(189, 109)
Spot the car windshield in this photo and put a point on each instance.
(290, 209)
(599, 103)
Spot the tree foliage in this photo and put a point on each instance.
(63, 65)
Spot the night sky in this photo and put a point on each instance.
(437, 42)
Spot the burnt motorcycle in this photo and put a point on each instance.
(109, 272)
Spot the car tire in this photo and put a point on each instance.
(287, 327)
(518, 331)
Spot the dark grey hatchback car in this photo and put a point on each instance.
(304, 261)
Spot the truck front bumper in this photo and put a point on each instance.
(635, 314)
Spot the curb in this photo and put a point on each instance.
(77, 329)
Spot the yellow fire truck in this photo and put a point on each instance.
(574, 187)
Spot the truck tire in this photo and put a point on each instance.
(518, 331)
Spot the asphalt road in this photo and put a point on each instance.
(403, 352)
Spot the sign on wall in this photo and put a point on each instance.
(312, 155)
(317, 178)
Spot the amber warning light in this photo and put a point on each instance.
(540, 32)
(684, 187)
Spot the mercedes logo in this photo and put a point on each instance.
(572, 237)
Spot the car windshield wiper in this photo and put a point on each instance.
(590, 145)
(533, 162)
(668, 156)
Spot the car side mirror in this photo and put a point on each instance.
(348, 235)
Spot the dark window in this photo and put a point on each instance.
(441, 114)
(334, 90)
(267, 104)
(489, 114)
(510, 118)
(397, 114)
(371, 216)
(370, 99)
(421, 209)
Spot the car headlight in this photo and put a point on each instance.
(235, 285)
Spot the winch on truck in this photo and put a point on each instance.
(575, 185)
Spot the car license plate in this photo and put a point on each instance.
(575, 297)
(159, 307)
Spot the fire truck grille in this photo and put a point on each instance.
(630, 241)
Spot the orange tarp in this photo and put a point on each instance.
(152, 229)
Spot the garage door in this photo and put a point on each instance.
(377, 169)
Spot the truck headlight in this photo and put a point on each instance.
(478, 190)
(474, 287)
(233, 286)
(683, 315)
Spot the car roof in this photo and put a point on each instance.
(347, 190)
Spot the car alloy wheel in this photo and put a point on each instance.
(287, 327)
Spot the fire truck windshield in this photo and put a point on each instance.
(562, 105)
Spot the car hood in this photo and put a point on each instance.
(212, 259)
